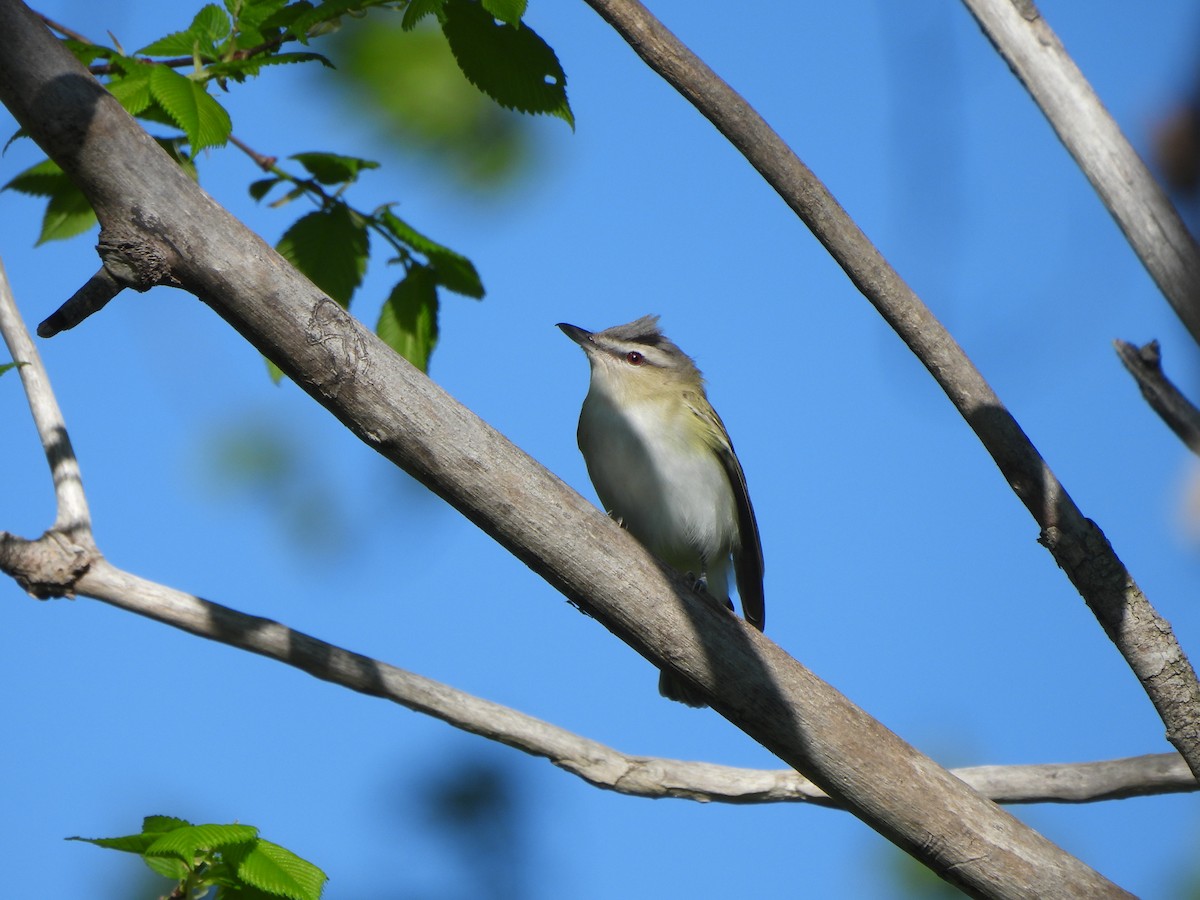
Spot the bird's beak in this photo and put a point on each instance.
(581, 336)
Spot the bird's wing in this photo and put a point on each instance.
(747, 555)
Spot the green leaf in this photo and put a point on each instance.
(68, 212)
(262, 187)
(418, 10)
(240, 69)
(87, 53)
(250, 16)
(132, 87)
(329, 168)
(329, 246)
(42, 179)
(130, 843)
(322, 18)
(277, 871)
(5, 367)
(408, 322)
(168, 867)
(173, 147)
(187, 841)
(211, 24)
(509, 11)
(159, 824)
(210, 27)
(177, 43)
(513, 66)
(201, 118)
(451, 270)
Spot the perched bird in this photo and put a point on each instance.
(664, 467)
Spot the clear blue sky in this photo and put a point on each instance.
(900, 567)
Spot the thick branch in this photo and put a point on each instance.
(1142, 636)
(1140, 207)
(391, 406)
(1145, 365)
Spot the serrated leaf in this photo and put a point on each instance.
(167, 866)
(287, 14)
(251, 14)
(211, 24)
(160, 824)
(239, 69)
(451, 270)
(321, 18)
(198, 115)
(513, 66)
(329, 246)
(68, 213)
(87, 52)
(130, 843)
(509, 11)
(186, 842)
(330, 168)
(132, 88)
(277, 870)
(408, 321)
(177, 43)
(418, 10)
(42, 179)
(210, 27)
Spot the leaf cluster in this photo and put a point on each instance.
(169, 82)
(331, 246)
(231, 860)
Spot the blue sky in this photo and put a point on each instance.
(900, 567)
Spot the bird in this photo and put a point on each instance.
(664, 468)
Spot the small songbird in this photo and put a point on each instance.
(664, 467)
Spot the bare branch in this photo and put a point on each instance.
(1142, 636)
(596, 763)
(73, 519)
(89, 299)
(1145, 365)
(1142, 210)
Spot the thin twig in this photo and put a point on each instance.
(72, 519)
(1142, 636)
(1145, 365)
(596, 763)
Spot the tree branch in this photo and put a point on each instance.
(1142, 636)
(1145, 365)
(52, 567)
(139, 194)
(73, 520)
(594, 762)
(1141, 208)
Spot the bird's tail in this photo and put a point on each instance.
(675, 688)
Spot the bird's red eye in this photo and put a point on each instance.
(634, 358)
